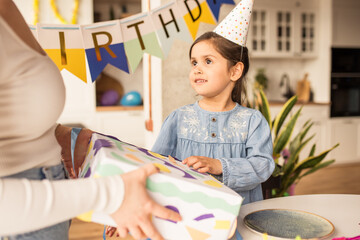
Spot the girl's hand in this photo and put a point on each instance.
(63, 137)
(134, 214)
(204, 164)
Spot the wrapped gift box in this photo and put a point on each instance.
(208, 208)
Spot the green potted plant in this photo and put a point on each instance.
(293, 168)
(261, 80)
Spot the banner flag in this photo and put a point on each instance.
(64, 45)
(33, 29)
(104, 45)
(122, 43)
(215, 5)
(194, 12)
(139, 38)
(169, 26)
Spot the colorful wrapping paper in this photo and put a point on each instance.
(209, 209)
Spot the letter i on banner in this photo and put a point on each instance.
(215, 5)
(194, 12)
(63, 44)
(104, 45)
(140, 37)
(169, 26)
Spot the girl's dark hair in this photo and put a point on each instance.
(234, 53)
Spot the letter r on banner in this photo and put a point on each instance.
(106, 45)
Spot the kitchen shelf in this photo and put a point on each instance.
(119, 108)
(280, 103)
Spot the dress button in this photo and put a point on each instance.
(213, 119)
(213, 135)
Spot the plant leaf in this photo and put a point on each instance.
(314, 160)
(305, 131)
(280, 118)
(285, 134)
(265, 108)
(277, 171)
(294, 155)
(317, 167)
(312, 151)
(306, 123)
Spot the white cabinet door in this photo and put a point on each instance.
(345, 132)
(305, 33)
(259, 32)
(284, 28)
(283, 32)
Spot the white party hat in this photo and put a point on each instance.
(235, 25)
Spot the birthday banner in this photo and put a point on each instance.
(122, 43)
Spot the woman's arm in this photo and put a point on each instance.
(27, 205)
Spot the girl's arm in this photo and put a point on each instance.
(166, 142)
(243, 174)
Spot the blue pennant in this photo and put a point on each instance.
(96, 66)
(215, 5)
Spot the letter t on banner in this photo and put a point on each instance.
(104, 45)
(64, 45)
(139, 37)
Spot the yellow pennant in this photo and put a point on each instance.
(73, 61)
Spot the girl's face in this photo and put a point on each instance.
(209, 75)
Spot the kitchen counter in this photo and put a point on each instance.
(280, 103)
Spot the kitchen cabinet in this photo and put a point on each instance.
(283, 29)
(346, 131)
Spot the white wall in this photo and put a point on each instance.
(80, 97)
(346, 19)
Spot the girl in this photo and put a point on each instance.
(216, 134)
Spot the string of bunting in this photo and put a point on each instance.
(122, 43)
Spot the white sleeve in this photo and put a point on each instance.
(28, 205)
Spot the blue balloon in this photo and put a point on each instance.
(132, 98)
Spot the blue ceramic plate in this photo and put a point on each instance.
(288, 224)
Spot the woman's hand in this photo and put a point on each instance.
(110, 231)
(134, 214)
(204, 164)
(63, 137)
